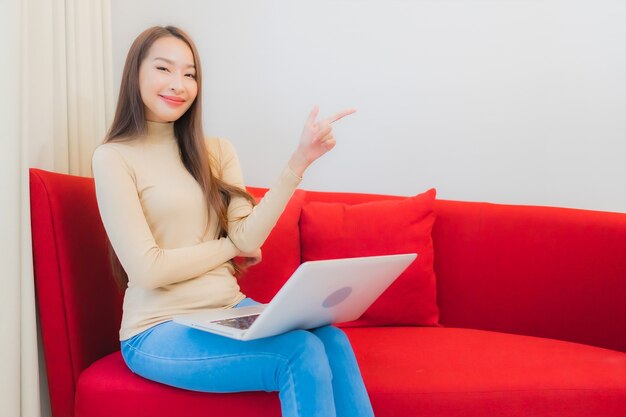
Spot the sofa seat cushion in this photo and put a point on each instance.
(408, 371)
(465, 372)
(108, 388)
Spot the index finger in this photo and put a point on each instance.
(340, 115)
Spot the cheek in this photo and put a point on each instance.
(192, 90)
(151, 82)
(144, 76)
(146, 86)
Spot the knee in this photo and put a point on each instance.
(307, 345)
(308, 354)
(332, 337)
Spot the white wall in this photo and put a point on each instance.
(507, 101)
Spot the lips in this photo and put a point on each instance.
(172, 100)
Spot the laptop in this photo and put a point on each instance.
(317, 293)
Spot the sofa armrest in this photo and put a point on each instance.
(79, 304)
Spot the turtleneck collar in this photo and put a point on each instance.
(160, 131)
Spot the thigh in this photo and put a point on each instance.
(188, 358)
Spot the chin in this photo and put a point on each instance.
(172, 117)
(168, 118)
(166, 115)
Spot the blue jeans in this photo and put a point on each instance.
(314, 371)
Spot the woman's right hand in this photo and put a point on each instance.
(317, 139)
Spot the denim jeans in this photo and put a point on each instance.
(314, 371)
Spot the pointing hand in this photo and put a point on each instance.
(317, 139)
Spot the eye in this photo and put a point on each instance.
(193, 76)
(162, 69)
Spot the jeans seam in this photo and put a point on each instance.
(294, 398)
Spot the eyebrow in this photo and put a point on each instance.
(169, 61)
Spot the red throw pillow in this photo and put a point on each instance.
(280, 254)
(338, 230)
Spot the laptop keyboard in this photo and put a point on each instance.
(241, 323)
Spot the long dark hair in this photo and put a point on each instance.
(129, 122)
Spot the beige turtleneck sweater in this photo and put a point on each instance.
(155, 215)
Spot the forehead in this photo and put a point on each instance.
(173, 49)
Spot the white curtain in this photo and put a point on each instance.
(55, 106)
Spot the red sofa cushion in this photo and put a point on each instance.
(108, 388)
(437, 372)
(281, 253)
(338, 230)
(464, 372)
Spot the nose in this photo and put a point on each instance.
(176, 83)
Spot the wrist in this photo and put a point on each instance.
(298, 164)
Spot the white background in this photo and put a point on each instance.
(507, 101)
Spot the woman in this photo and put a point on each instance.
(176, 212)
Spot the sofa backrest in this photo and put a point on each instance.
(281, 252)
(79, 304)
(538, 271)
(541, 271)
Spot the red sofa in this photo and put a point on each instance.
(530, 320)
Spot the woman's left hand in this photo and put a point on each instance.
(317, 139)
(248, 259)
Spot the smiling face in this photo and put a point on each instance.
(167, 80)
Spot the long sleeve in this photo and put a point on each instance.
(250, 226)
(156, 216)
(148, 265)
